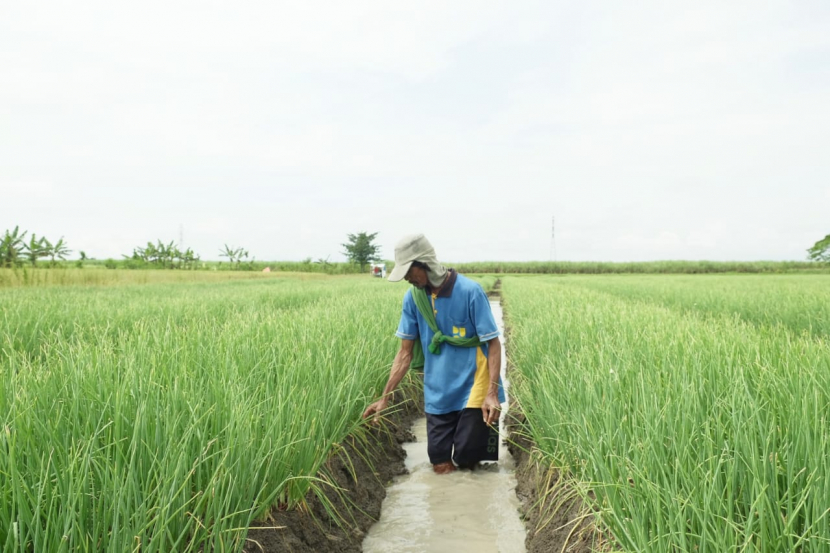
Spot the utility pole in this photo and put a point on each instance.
(552, 238)
(181, 236)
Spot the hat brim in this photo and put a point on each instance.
(399, 272)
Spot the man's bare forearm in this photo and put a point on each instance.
(399, 367)
(494, 365)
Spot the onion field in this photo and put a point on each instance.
(691, 413)
(167, 417)
(168, 414)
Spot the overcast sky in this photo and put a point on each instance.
(650, 130)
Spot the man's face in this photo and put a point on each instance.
(417, 277)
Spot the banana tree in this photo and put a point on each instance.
(11, 248)
(150, 253)
(188, 258)
(35, 249)
(167, 252)
(234, 255)
(59, 250)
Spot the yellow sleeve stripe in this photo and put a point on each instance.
(481, 382)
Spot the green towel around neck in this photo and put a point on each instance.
(425, 308)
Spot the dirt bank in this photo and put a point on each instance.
(362, 469)
(556, 519)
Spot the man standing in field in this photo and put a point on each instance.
(447, 320)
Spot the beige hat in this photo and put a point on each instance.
(416, 247)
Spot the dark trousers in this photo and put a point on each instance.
(463, 437)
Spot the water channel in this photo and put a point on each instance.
(475, 512)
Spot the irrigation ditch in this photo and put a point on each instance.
(339, 515)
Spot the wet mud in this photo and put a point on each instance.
(466, 511)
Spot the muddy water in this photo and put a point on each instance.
(475, 512)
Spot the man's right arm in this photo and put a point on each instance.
(399, 367)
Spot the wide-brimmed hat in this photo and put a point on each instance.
(414, 247)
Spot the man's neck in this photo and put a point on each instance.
(436, 291)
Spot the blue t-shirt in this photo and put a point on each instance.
(456, 378)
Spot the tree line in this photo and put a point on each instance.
(17, 251)
(169, 256)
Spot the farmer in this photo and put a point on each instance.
(447, 328)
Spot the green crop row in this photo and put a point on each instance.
(799, 302)
(167, 417)
(684, 432)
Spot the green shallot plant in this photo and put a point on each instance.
(690, 432)
(168, 417)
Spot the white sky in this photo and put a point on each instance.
(651, 130)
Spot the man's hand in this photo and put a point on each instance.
(490, 409)
(375, 409)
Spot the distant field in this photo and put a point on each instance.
(799, 302)
(657, 267)
(500, 267)
(93, 276)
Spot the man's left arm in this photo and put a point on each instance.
(491, 407)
